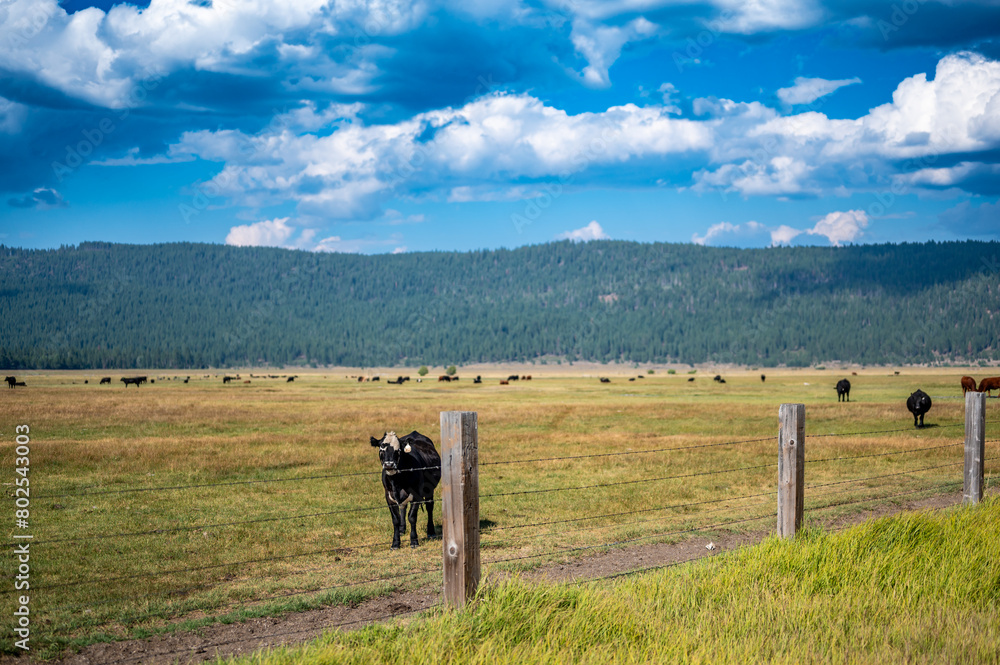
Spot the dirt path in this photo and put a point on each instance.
(249, 636)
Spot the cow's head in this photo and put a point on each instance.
(389, 451)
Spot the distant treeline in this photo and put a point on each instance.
(186, 305)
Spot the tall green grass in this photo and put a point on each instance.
(914, 588)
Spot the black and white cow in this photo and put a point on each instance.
(843, 390)
(411, 469)
(918, 403)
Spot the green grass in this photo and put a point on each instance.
(913, 588)
(87, 438)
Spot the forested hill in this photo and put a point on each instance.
(189, 305)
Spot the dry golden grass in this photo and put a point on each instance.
(88, 440)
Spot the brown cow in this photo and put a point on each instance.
(504, 383)
(968, 383)
(989, 385)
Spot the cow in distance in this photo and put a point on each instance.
(918, 403)
(989, 385)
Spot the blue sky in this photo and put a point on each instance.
(389, 126)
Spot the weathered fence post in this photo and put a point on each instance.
(791, 467)
(975, 446)
(460, 505)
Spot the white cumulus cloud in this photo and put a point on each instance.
(350, 171)
(592, 231)
(837, 227)
(728, 232)
(841, 227)
(602, 44)
(808, 90)
(269, 233)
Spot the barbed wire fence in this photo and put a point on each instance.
(656, 521)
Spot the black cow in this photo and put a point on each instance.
(605, 380)
(718, 378)
(290, 379)
(21, 383)
(763, 378)
(690, 379)
(411, 469)
(106, 380)
(513, 377)
(843, 390)
(11, 381)
(133, 380)
(918, 403)
(227, 379)
(478, 379)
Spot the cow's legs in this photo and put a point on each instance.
(414, 508)
(430, 519)
(397, 525)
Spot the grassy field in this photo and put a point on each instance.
(913, 588)
(146, 516)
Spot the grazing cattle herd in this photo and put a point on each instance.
(968, 383)
(411, 469)
(918, 403)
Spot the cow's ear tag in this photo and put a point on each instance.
(407, 448)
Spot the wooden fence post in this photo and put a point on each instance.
(975, 446)
(460, 505)
(791, 467)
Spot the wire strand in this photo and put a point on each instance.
(888, 475)
(165, 613)
(221, 524)
(885, 431)
(374, 474)
(628, 452)
(898, 452)
(626, 482)
(628, 540)
(628, 512)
